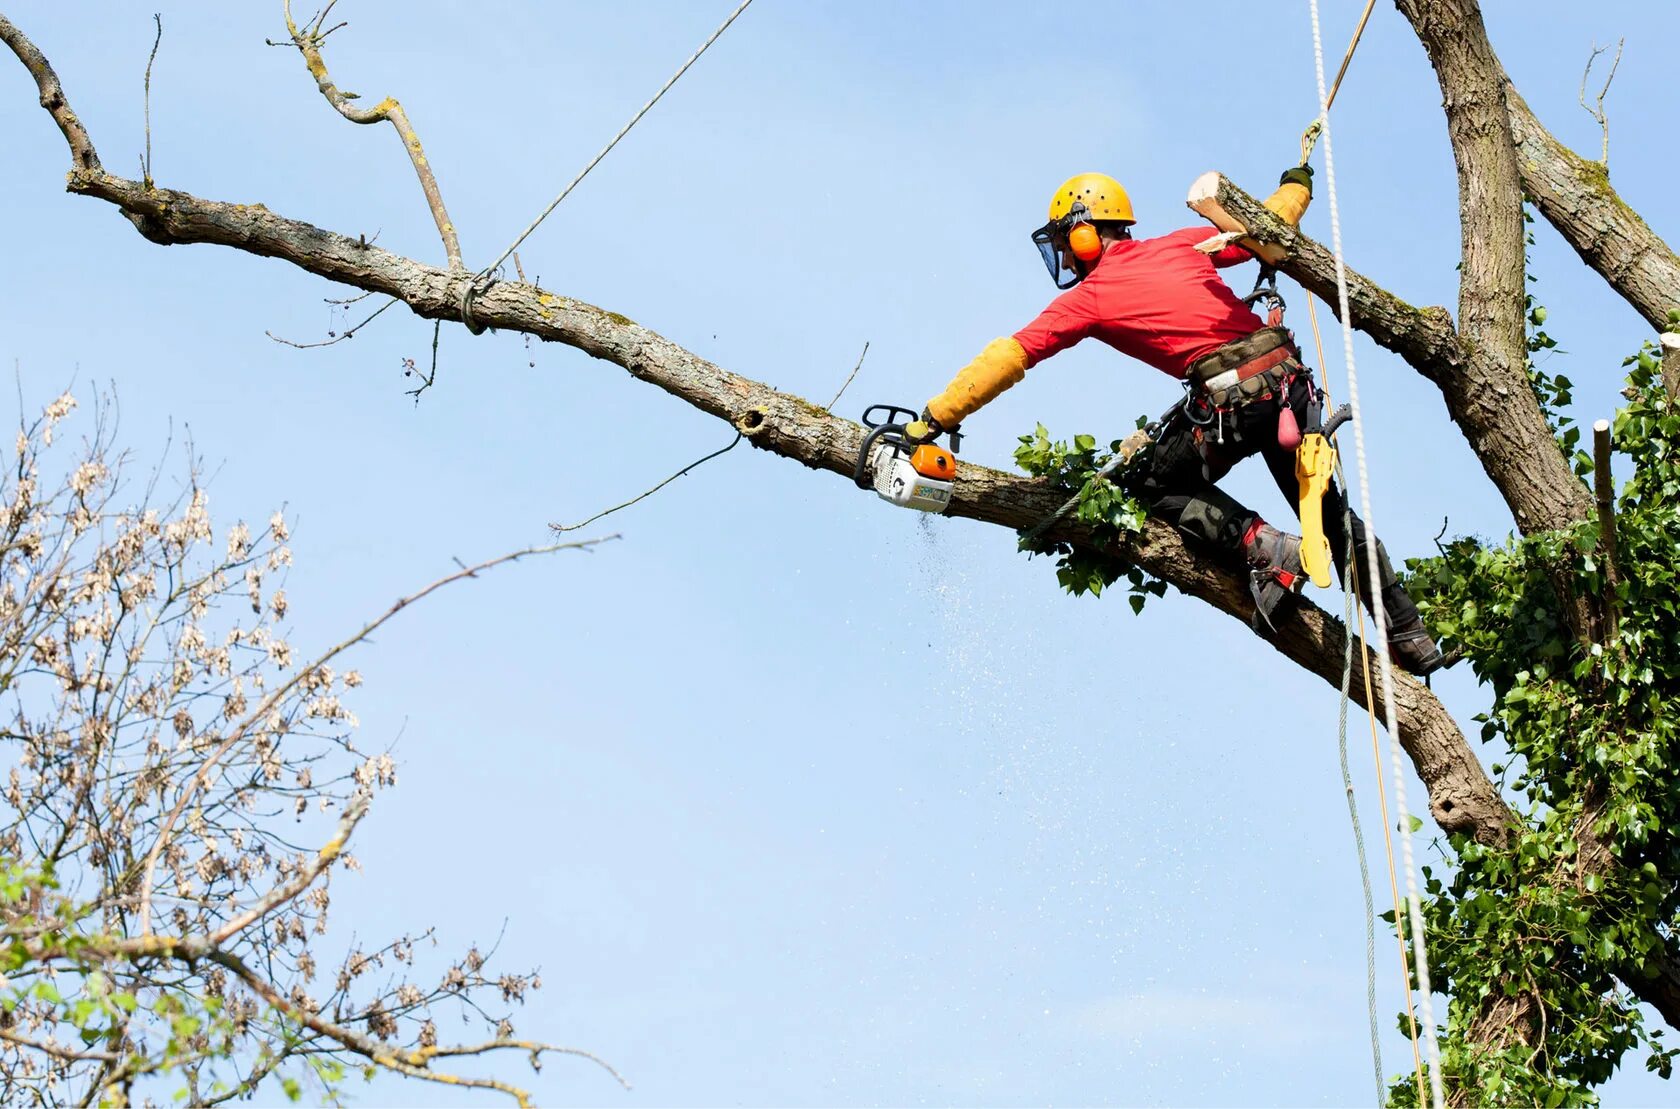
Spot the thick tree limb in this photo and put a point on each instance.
(1462, 798)
(1575, 196)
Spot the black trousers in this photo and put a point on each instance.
(1177, 490)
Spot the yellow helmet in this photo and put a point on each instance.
(1102, 196)
(1068, 243)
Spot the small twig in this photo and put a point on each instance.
(335, 338)
(347, 301)
(425, 384)
(830, 405)
(1437, 539)
(561, 529)
(146, 162)
(519, 269)
(1597, 111)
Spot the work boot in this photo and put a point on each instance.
(1415, 651)
(1411, 646)
(1274, 560)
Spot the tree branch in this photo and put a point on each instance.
(82, 154)
(308, 41)
(1596, 110)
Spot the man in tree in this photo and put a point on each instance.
(1162, 302)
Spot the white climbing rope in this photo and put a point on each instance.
(1380, 617)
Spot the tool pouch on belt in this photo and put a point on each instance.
(1244, 370)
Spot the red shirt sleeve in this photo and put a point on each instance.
(1070, 318)
(1232, 255)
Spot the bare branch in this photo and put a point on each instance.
(309, 43)
(560, 529)
(1597, 110)
(146, 161)
(536, 1050)
(341, 336)
(286, 892)
(431, 376)
(844, 385)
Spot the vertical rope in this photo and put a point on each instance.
(1350, 610)
(1379, 617)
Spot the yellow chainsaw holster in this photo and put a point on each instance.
(1315, 465)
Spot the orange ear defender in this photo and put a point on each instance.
(1085, 243)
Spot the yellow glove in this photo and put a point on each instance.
(993, 370)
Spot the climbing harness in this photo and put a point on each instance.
(482, 280)
(1414, 905)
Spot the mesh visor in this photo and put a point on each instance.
(1052, 247)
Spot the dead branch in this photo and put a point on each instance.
(146, 160)
(339, 338)
(1596, 110)
(308, 41)
(844, 385)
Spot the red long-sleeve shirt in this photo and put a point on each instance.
(1159, 300)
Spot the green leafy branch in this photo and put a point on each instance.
(1102, 505)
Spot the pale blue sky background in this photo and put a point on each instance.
(795, 798)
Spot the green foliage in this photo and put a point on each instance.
(1103, 505)
(1594, 747)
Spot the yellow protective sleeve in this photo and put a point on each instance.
(993, 370)
(1290, 202)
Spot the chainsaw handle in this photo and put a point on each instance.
(860, 472)
(895, 416)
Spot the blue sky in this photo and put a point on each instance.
(797, 799)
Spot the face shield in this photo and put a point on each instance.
(1051, 240)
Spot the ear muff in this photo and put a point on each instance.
(1085, 243)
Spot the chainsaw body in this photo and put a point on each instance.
(906, 473)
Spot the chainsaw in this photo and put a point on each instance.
(911, 472)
